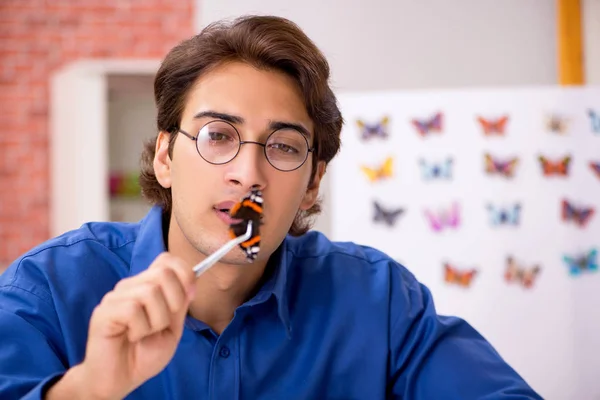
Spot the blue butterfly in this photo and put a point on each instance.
(582, 263)
(505, 216)
(441, 170)
(595, 120)
(378, 129)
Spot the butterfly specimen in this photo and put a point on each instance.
(434, 170)
(250, 208)
(378, 129)
(595, 120)
(493, 127)
(582, 262)
(427, 126)
(555, 167)
(454, 276)
(580, 215)
(386, 216)
(505, 168)
(514, 273)
(504, 216)
(444, 218)
(557, 124)
(380, 172)
(595, 166)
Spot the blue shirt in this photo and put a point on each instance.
(331, 321)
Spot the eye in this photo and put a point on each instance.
(217, 136)
(284, 148)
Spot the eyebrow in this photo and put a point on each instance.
(234, 119)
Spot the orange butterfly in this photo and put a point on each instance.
(493, 127)
(515, 273)
(560, 167)
(457, 277)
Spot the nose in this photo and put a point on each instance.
(247, 169)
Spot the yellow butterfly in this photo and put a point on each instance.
(384, 171)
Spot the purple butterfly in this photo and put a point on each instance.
(374, 130)
(445, 218)
(434, 124)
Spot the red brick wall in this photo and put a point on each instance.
(36, 38)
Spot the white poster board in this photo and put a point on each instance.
(550, 331)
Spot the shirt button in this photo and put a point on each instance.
(224, 352)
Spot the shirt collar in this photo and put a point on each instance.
(150, 244)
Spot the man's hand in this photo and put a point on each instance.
(133, 332)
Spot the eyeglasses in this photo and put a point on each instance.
(218, 142)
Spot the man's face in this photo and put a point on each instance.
(256, 99)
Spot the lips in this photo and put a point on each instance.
(222, 211)
(224, 205)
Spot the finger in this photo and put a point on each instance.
(151, 296)
(138, 323)
(173, 290)
(183, 270)
(116, 316)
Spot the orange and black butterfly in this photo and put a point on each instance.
(458, 277)
(250, 208)
(493, 127)
(555, 167)
(514, 273)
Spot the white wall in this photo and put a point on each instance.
(410, 44)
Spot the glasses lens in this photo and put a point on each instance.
(218, 142)
(287, 149)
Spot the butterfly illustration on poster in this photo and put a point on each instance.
(373, 130)
(436, 170)
(504, 216)
(557, 123)
(429, 125)
(384, 215)
(595, 167)
(594, 120)
(505, 168)
(461, 277)
(376, 173)
(517, 274)
(582, 263)
(555, 167)
(493, 126)
(443, 218)
(578, 215)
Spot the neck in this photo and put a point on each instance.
(221, 289)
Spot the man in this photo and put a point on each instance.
(114, 310)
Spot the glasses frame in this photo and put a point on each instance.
(241, 142)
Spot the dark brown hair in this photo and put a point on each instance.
(266, 42)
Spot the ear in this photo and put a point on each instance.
(162, 161)
(312, 192)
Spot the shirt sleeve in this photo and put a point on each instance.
(439, 357)
(30, 360)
